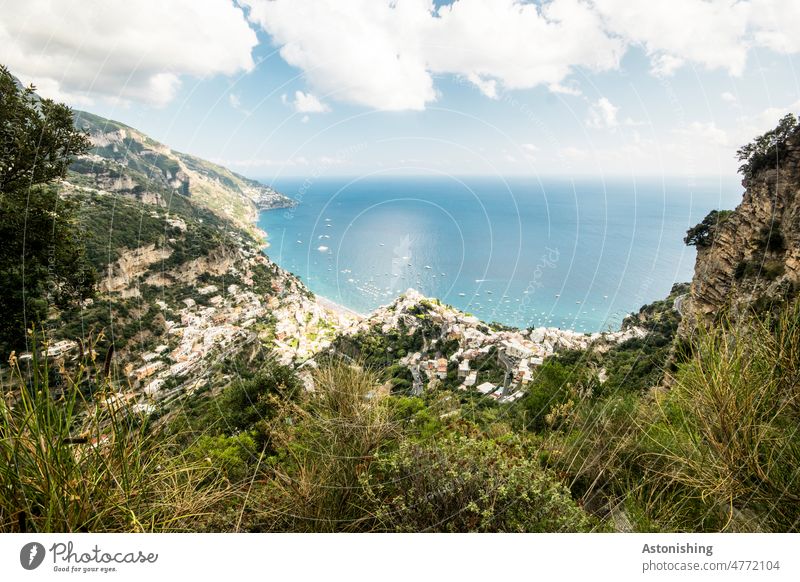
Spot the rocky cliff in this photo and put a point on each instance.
(750, 258)
(123, 160)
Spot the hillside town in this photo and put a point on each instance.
(518, 352)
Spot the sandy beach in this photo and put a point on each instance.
(326, 303)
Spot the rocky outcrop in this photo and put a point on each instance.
(413, 310)
(752, 258)
(124, 273)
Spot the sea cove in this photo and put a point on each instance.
(576, 254)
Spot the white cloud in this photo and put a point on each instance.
(262, 162)
(664, 65)
(122, 50)
(706, 132)
(520, 44)
(572, 152)
(710, 33)
(776, 23)
(603, 114)
(564, 89)
(308, 103)
(384, 54)
(716, 34)
(700, 136)
(630, 122)
(728, 97)
(487, 86)
(363, 51)
(235, 101)
(747, 127)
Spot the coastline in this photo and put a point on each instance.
(323, 302)
(345, 311)
(337, 308)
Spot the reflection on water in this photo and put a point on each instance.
(525, 253)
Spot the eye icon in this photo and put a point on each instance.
(31, 555)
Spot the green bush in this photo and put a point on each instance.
(767, 150)
(702, 234)
(459, 484)
(233, 455)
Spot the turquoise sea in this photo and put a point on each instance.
(577, 254)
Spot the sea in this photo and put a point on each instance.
(569, 253)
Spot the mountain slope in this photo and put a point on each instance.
(184, 290)
(126, 161)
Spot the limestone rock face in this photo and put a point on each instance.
(754, 258)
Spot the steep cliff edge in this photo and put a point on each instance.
(749, 259)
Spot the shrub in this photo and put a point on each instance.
(554, 386)
(325, 444)
(460, 484)
(767, 149)
(728, 432)
(702, 235)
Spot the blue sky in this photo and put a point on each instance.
(295, 87)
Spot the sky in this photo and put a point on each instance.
(274, 88)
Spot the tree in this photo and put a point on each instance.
(702, 234)
(42, 259)
(767, 149)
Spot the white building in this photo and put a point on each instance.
(516, 350)
(471, 378)
(463, 368)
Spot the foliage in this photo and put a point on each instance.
(728, 430)
(327, 445)
(767, 150)
(718, 451)
(772, 238)
(42, 261)
(554, 386)
(458, 484)
(702, 234)
(232, 455)
(253, 404)
(68, 464)
(37, 139)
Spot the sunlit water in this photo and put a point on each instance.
(577, 254)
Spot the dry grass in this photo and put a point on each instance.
(70, 464)
(329, 444)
